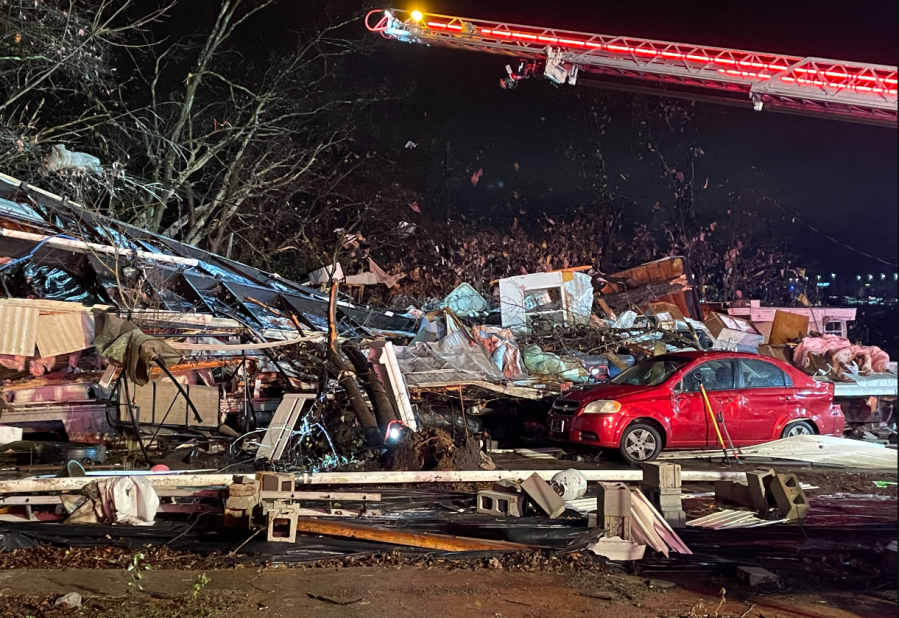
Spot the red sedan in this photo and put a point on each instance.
(657, 404)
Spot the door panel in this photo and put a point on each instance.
(767, 397)
(719, 380)
(689, 421)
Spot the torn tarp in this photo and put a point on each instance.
(123, 343)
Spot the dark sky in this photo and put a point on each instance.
(839, 176)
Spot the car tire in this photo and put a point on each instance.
(640, 443)
(799, 428)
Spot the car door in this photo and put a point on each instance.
(767, 395)
(692, 418)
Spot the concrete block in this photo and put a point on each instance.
(543, 495)
(788, 495)
(733, 492)
(667, 502)
(756, 576)
(661, 475)
(241, 502)
(275, 481)
(758, 491)
(237, 518)
(236, 490)
(282, 524)
(742, 495)
(617, 526)
(675, 519)
(613, 500)
(505, 503)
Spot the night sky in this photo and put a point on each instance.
(837, 175)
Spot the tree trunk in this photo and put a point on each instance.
(377, 394)
(347, 378)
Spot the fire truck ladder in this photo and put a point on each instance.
(848, 90)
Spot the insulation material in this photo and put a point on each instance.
(61, 333)
(18, 330)
(841, 355)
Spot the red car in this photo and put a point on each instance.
(657, 404)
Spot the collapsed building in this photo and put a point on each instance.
(111, 335)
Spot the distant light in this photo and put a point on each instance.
(870, 277)
(819, 277)
(858, 277)
(882, 276)
(833, 275)
(895, 276)
(417, 16)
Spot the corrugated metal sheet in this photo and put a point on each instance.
(18, 330)
(61, 333)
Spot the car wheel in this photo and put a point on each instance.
(640, 443)
(799, 428)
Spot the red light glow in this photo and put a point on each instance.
(827, 78)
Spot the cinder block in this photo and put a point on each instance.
(675, 519)
(618, 526)
(282, 524)
(724, 490)
(242, 489)
(661, 475)
(666, 502)
(613, 500)
(237, 518)
(500, 503)
(246, 503)
(758, 490)
(756, 575)
(275, 481)
(733, 492)
(742, 495)
(790, 498)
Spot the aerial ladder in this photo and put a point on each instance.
(852, 91)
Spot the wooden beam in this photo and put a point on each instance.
(440, 542)
(361, 478)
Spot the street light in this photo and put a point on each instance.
(882, 276)
(870, 277)
(858, 277)
(833, 275)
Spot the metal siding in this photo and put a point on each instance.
(18, 330)
(62, 333)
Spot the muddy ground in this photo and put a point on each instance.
(412, 592)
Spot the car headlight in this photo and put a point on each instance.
(603, 406)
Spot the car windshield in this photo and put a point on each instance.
(651, 372)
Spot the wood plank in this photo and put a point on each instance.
(400, 537)
(279, 430)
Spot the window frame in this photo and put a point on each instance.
(788, 381)
(680, 385)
